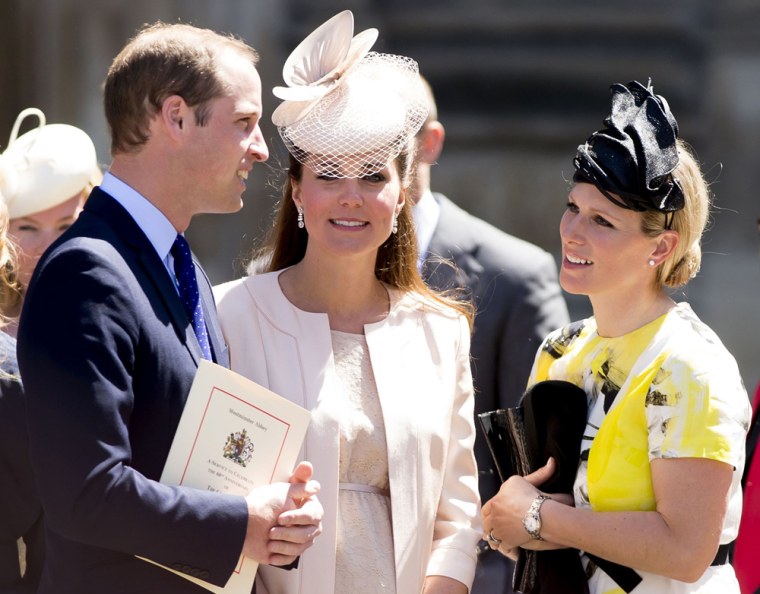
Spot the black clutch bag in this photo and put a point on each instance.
(549, 421)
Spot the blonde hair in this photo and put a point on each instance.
(689, 222)
(11, 293)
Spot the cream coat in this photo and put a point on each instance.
(420, 359)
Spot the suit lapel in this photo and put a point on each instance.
(151, 266)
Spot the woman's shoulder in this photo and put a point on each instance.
(693, 355)
(244, 299)
(418, 304)
(236, 289)
(690, 339)
(8, 363)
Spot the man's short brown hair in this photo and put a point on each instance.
(160, 61)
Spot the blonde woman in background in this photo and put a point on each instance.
(21, 523)
(49, 173)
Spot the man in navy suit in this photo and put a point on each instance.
(518, 301)
(108, 351)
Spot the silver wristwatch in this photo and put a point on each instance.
(532, 519)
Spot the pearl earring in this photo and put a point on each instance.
(394, 229)
(300, 217)
(651, 262)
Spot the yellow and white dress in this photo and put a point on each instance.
(669, 389)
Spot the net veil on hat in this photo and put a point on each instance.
(45, 166)
(348, 111)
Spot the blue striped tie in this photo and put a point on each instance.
(184, 269)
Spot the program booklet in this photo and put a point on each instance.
(233, 435)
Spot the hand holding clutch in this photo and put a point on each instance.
(548, 423)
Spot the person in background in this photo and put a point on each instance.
(343, 324)
(22, 544)
(49, 172)
(657, 496)
(745, 554)
(116, 319)
(513, 285)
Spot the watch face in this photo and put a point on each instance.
(532, 524)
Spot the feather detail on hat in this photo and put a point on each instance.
(45, 166)
(348, 111)
(317, 65)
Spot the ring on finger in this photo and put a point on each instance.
(493, 542)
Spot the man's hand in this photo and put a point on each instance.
(283, 518)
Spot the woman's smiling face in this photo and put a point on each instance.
(348, 216)
(604, 249)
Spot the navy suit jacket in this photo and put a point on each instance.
(108, 354)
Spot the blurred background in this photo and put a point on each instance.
(519, 84)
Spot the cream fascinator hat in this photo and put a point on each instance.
(348, 111)
(44, 167)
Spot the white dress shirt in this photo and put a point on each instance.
(158, 229)
(426, 214)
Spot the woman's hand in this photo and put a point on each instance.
(503, 514)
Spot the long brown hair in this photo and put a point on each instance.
(396, 262)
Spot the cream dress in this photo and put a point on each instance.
(364, 550)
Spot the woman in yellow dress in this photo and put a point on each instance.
(657, 490)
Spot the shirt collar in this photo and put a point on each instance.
(426, 213)
(158, 229)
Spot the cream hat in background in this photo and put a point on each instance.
(348, 111)
(45, 166)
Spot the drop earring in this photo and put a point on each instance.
(394, 229)
(300, 217)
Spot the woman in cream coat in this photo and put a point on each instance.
(420, 362)
(343, 325)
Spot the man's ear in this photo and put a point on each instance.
(430, 142)
(174, 112)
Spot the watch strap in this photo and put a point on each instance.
(532, 519)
